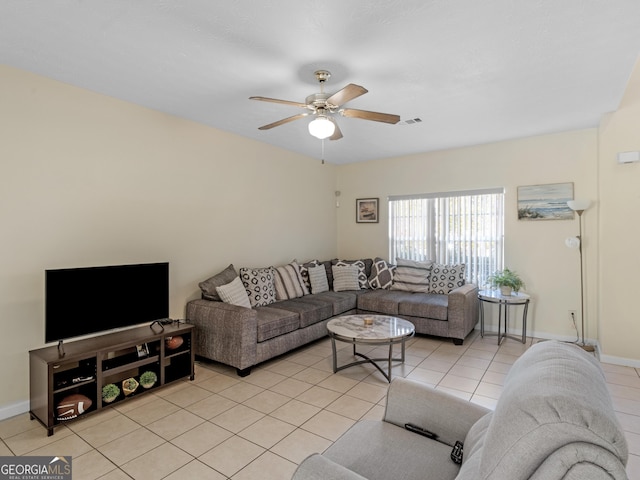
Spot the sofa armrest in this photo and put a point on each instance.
(317, 467)
(225, 333)
(462, 310)
(447, 416)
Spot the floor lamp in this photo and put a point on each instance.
(579, 206)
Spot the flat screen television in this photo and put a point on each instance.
(82, 301)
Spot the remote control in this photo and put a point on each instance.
(420, 431)
(456, 453)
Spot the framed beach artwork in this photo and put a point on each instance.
(545, 202)
(366, 210)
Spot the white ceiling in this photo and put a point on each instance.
(473, 71)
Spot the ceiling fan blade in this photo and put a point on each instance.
(276, 100)
(337, 134)
(349, 92)
(367, 115)
(283, 121)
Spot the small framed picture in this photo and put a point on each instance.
(366, 210)
(143, 350)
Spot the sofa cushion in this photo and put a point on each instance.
(209, 285)
(259, 284)
(328, 264)
(381, 274)
(288, 282)
(363, 276)
(342, 301)
(304, 272)
(382, 301)
(345, 277)
(445, 278)
(234, 293)
(310, 309)
(318, 279)
(382, 451)
(426, 305)
(273, 322)
(411, 276)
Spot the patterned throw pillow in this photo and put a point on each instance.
(209, 286)
(288, 282)
(445, 278)
(304, 272)
(362, 276)
(345, 277)
(381, 274)
(259, 284)
(234, 293)
(412, 276)
(318, 279)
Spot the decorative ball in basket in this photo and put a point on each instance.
(129, 386)
(72, 405)
(148, 379)
(174, 342)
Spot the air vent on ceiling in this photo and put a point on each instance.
(411, 121)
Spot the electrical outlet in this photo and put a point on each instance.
(573, 318)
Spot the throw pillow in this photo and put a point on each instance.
(234, 293)
(381, 274)
(445, 278)
(288, 282)
(258, 282)
(412, 276)
(362, 276)
(304, 272)
(209, 286)
(345, 277)
(318, 279)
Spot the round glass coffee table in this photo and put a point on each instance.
(370, 330)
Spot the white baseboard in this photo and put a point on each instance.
(12, 410)
(625, 362)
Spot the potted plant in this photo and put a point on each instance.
(110, 392)
(148, 379)
(129, 385)
(507, 280)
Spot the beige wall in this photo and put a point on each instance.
(534, 249)
(89, 180)
(619, 207)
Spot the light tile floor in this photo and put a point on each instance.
(221, 426)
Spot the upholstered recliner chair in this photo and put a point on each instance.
(554, 420)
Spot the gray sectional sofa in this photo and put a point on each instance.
(554, 420)
(243, 337)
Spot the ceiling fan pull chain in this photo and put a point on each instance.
(322, 151)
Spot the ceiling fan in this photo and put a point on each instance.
(324, 106)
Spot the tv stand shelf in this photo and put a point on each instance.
(88, 365)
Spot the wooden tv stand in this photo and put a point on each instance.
(88, 365)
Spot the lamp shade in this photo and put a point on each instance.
(321, 127)
(579, 205)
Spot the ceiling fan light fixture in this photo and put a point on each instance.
(321, 127)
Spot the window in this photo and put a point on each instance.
(455, 227)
